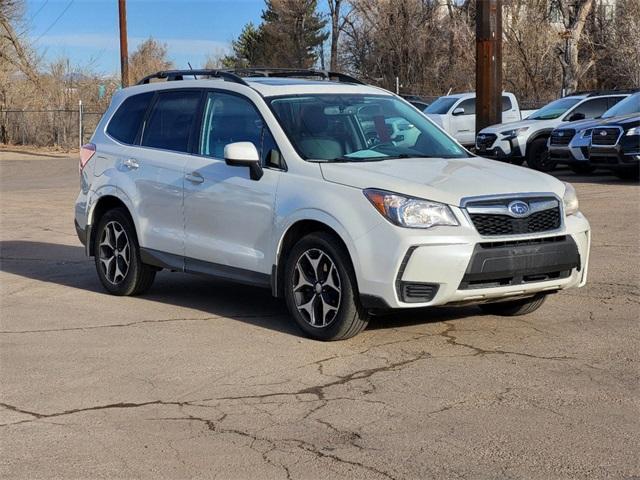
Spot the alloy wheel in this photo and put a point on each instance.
(114, 252)
(316, 288)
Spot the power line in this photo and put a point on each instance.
(56, 20)
(40, 9)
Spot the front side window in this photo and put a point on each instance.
(360, 128)
(592, 108)
(506, 103)
(442, 105)
(469, 106)
(554, 109)
(171, 120)
(228, 119)
(125, 123)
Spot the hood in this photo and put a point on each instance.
(501, 127)
(435, 118)
(624, 121)
(580, 124)
(442, 180)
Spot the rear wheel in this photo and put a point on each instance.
(117, 256)
(514, 308)
(538, 156)
(320, 289)
(581, 169)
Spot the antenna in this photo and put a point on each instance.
(191, 68)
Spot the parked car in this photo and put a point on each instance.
(527, 140)
(456, 114)
(417, 101)
(569, 144)
(615, 145)
(297, 186)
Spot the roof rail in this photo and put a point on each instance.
(295, 72)
(597, 93)
(172, 75)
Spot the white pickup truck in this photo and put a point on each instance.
(456, 114)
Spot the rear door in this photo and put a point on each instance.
(229, 217)
(159, 165)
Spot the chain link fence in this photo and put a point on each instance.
(67, 128)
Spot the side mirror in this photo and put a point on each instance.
(458, 111)
(244, 154)
(576, 116)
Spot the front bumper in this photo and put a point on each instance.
(505, 148)
(569, 154)
(625, 154)
(440, 263)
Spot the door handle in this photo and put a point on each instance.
(131, 164)
(194, 177)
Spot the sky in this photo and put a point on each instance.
(86, 31)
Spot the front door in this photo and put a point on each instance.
(463, 126)
(229, 217)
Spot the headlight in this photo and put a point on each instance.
(570, 200)
(410, 212)
(633, 131)
(586, 133)
(515, 132)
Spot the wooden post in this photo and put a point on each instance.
(488, 63)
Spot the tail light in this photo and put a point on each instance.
(86, 152)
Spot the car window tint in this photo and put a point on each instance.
(611, 101)
(171, 120)
(469, 106)
(229, 119)
(506, 103)
(125, 123)
(591, 108)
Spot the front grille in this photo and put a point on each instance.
(562, 137)
(490, 224)
(418, 292)
(605, 136)
(485, 141)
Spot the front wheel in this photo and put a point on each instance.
(538, 156)
(117, 256)
(514, 308)
(320, 289)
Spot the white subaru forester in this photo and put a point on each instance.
(340, 197)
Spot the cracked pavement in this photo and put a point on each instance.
(204, 379)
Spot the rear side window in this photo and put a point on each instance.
(506, 103)
(125, 124)
(171, 121)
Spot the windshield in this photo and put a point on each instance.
(625, 107)
(441, 105)
(360, 128)
(554, 109)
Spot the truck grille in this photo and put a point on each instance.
(484, 141)
(492, 217)
(562, 136)
(605, 135)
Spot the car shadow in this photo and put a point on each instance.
(68, 266)
(601, 177)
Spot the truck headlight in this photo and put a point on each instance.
(410, 212)
(514, 132)
(570, 200)
(633, 131)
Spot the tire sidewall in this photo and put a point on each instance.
(537, 147)
(349, 302)
(127, 286)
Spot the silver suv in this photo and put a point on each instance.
(338, 196)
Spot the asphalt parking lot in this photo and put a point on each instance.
(206, 379)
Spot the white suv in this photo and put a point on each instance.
(340, 197)
(527, 140)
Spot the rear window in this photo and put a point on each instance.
(125, 124)
(171, 121)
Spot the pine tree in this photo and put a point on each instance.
(248, 48)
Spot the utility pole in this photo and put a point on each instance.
(488, 63)
(124, 50)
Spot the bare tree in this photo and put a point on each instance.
(574, 16)
(149, 57)
(14, 51)
(338, 23)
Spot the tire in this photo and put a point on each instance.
(320, 289)
(628, 173)
(582, 169)
(117, 256)
(538, 156)
(514, 308)
(517, 161)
